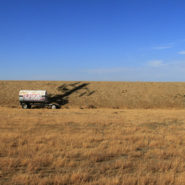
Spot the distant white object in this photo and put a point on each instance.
(33, 96)
(27, 98)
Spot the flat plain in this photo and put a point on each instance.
(92, 146)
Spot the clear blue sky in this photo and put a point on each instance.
(114, 40)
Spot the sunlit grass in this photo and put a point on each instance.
(98, 146)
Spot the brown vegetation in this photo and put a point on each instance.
(92, 146)
(100, 94)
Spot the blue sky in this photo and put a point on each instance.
(110, 40)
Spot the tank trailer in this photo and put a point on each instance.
(27, 98)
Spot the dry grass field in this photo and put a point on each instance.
(130, 95)
(108, 133)
(92, 146)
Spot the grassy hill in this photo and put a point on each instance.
(100, 94)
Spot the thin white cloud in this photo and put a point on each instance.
(162, 47)
(155, 63)
(181, 52)
(155, 70)
(106, 70)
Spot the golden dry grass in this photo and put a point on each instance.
(102, 94)
(92, 146)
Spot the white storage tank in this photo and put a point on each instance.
(34, 96)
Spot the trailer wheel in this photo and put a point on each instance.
(25, 106)
(53, 106)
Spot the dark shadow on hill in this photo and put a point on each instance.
(65, 90)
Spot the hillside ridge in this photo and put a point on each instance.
(85, 94)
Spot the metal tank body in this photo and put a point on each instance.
(34, 96)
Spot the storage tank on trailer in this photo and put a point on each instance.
(32, 95)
